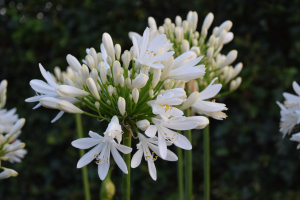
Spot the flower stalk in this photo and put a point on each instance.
(206, 163)
(84, 171)
(127, 159)
(180, 174)
(188, 164)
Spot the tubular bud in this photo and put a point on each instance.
(118, 51)
(93, 88)
(122, 105)
(135, 95)
(68, 107)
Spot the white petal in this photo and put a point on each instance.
(95, 135)
(185, 125)
(162, 146)
(37, 106)
(163, 57)
(118, 159)
(210, 91)
(103, 170)
(42, 87)
(296, 87)
(57, 116)
(137, 158)
(152, 170)
(89, 156)
(170, 155)
(183, 142)
(151, 131)
(123, 148)
(47, 77)
(85, 143)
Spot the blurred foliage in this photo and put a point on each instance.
(250, 160)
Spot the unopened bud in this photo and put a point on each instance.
(109, 46)
(121, 80)
(122, 105)
(140, 81)
(190, 100)
(116, 71)
(143, 124)
(167, 69)
(90, 61)
(118, 51)
(97, 105)
(132, 53)
(73, 62)
(93, 88)
(151, 93)
(128, 82)
(152, 23)
(185, 46)
(68, 107)
(110, 90)
(178, 21)
(161, 30)
(108, 102)
(126, 59)
(69, 91)
(135, 95)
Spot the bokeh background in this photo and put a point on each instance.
(249, 158)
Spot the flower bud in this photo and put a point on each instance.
(151, 93)
(17, 147)
(93, 88)
(178, 21)
(161, 30)
(140, 81)
(108, 102)
(181, 84)
(73, 62)
(97, 105)
(201, 121)
(152, 23)
(121, 80)
(194, 20)
(68, 81)
(221, 38)
(167, 69)
(84, 72)
(94, 75)
(79, 82)
(195, 42)
(94, 55)
(5, 147)
(1, 139)
(185, 46)
(224, 26)
(121, 105)
(99, 57)
(210, 53)
(5, 174)
(57, 72)
(185, 26)
(238, 82)
(237, 69)
(228, 38)
(116, 71)
(126, 59)
(69, 91)
(232, 85)
(230, 58)
(196, 50)
(103, 72)
(110, 90)
(143, 124)
(68, 107)
(208, 21)
(190, 100)
(132, 53)
(156, 77)
(128, 82)
(17, 126)
(168, 22)
(197, 35)
(109, 46)
(109, 60)
(178, 34)
(90, 61)
(49, 102)
(135, 95)
(118, 51)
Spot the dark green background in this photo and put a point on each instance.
(249, 159)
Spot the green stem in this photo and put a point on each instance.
(206, 163)
(180, 174)
(81, 152)
(127, 158)
(188, 165)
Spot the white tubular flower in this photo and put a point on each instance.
(135, 95)
(8, 119)
(68, 107)
(144, 148)
(208, 21)
(208, 108)
(122, 105)
(162, 105)
(178, 21)
(114, 129)
(183, 58)
(90, 61)
(8, 173)
(101, 152)
(228, 38)
(69, 91)
(103, 72)
(109, 46)
(121, 80)
(237, 69)
(289, 118)
(190, 101)
(73, 62)
(140, 81)
(118, 51)
(167, 69)
(132, 53)
(201, 120)
(152, 23)
(292, 100)
(188, 71)
(143, 124)
(116, 71)
(148, 53)
(165, 134)
(156, 77)
(93, 88)
(224, 26)
(3, 88)
(178, 93)
(296, 137)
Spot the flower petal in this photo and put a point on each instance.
(103, 170)
(170, 155)
(89, 156)
(85, 143)
(162, 145)
(183, 142)
(137, 158)
(151, 131)
(57, 116)
(118, 159)
(152, 170)
(123, 148)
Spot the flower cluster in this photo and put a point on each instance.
(141, 90)
(290, 113)
(189, 43)
(11, 148)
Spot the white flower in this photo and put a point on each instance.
(101, 152)
(15, 156)
(8, 173)
(296, 137)
(144, 148)
(7, 119)
(162, 105)
(165, 134)
(188, 71)
(148, 53)
(292, 100)
(114, 129)
(208, 108)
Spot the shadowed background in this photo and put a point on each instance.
(249, 158)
